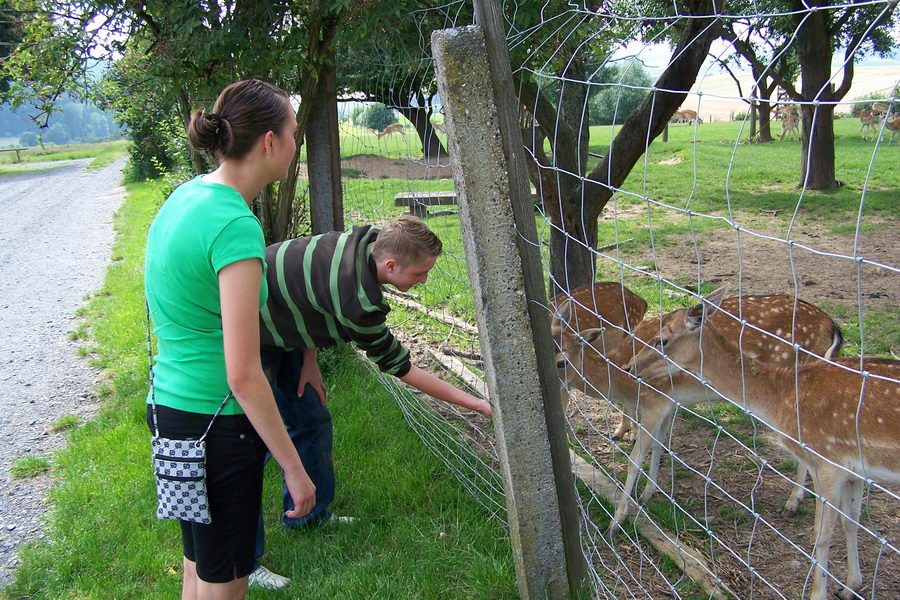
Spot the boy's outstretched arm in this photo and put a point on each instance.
(431, 385)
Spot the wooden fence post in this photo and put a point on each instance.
(501, 244)
(323, 152)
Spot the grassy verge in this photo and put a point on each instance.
(103, 153)
(419, 535)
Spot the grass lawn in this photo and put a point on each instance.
(419, 534)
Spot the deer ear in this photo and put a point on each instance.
(695, 315)
(564, 311)
(593, 334)
(714, 298)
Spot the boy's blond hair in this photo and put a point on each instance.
(408, 240)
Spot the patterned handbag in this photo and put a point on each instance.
(180, 465)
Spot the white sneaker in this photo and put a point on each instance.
(334, 519)
(263, 578)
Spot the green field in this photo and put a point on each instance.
(753, 184)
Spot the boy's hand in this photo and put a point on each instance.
(484, 407)
(310, 374)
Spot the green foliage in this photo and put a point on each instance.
(867, 102)
(617, 89)
(377, 116)
(154, 126)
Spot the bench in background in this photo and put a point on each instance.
(18, 152)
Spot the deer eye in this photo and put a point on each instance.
(660, 343)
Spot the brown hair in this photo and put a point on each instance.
(408, 240)
(243, 112)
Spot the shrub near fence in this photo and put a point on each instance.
(701, 211)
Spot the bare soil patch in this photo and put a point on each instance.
(372, 166)
(818, 265)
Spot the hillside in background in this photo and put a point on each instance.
(75, 122)
(720, 98)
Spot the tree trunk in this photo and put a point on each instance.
(754, 109)
(817, 148)
(764, 114)
(817, 139)
(279, 208)
(572, 262)
(198, 162)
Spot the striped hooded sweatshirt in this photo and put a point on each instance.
(323, 292)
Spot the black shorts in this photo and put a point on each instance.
(223, 550)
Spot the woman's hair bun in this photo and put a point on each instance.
(209, 132)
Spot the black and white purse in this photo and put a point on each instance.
(179, 465)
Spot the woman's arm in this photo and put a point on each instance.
(239, 295)
(431, 385)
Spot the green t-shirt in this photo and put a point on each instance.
(201, 228)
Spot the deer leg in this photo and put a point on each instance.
(625, 424)
(850, 520)
(828, 486)
(797, 492)
(662, 422)
(642, 443)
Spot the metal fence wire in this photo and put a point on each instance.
(672, 152)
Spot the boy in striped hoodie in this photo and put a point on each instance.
(325, 290)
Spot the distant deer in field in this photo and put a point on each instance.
(893, 126)
(868, 119)
(685, 116)
(604, 372)
(882, 107)
(790, 123)
(605, 305)
(392, 128)
(840, 423)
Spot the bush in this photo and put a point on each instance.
(616, 91)
(28, 139)
(377, 116)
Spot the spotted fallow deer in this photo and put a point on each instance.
(790, 123)
(392, 128)
(837, 419)
(868, 119)
(606, 305)
(653, 402)
(893, 126)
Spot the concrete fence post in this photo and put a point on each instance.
(499, 237)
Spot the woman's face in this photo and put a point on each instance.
(283, 145)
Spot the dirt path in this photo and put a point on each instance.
(55, 237)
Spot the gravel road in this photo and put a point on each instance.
(55, 236)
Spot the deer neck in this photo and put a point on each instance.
(758, 387)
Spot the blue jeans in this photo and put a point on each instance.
(308, 424)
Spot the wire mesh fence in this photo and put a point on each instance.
(652, 142)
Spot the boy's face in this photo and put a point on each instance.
(404, 278)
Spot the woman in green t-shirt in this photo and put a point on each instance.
(205, 284)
